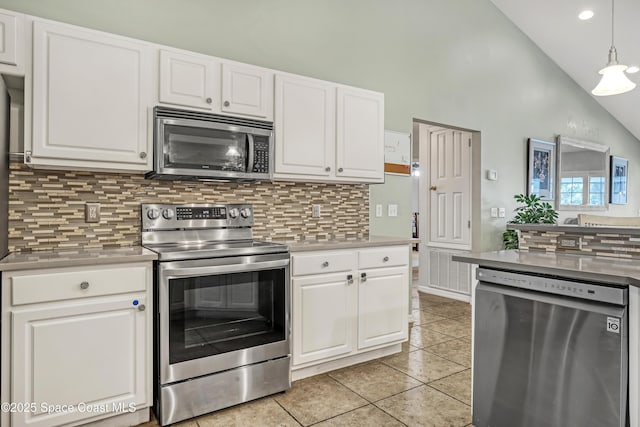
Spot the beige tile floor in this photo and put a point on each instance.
(427, 384)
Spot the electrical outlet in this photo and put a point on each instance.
(378, 211)
(92, 212)
(316, 211)
(393, 210)
(502, 212)
(494, 212)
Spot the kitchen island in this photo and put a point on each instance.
(611, 272)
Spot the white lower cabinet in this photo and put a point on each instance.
(79, 359)
(382, 306)
(348, 310)
(324, 316)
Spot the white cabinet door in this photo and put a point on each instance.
(91, 93)
(91, 352)
(324, 317)
(10, 31)
(189, 80)
(382, 306)
(304, 126)
(247, 90)
(360, 135)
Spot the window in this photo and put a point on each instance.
(596, 190)
(571, 189)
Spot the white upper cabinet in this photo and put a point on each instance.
(360, 134)
(305, 126)
(327, 132)
(189, 80)
(10, 37)
(91, 94)
(247, 90)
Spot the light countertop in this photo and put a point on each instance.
(603, 269)
(575, 229)
(75, 258)
(334, 244)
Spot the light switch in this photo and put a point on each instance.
(393, 210)
(502, 212)
(92, 212)
(378, 211)
(494, 212)
(492, 175)
(315, 211)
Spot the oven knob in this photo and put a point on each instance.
(153, 213)
(245, 212)
(233, 213)
(168, 213)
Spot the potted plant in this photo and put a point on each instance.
(533, 211)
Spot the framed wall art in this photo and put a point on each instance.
(619, 180)
(541, 169)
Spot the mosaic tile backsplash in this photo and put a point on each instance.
(593, 242)
(46, 208)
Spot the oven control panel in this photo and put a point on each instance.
(157, 216)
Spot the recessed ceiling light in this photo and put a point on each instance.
(633, 69)
(585, 14)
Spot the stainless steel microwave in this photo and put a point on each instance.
(193, 145)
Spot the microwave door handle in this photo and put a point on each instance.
(250, 156)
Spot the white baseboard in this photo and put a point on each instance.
(445, 294)
(300, 373)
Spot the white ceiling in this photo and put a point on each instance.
(580, 48)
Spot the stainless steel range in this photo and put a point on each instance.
(222, 309)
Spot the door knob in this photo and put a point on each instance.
(433, 188)
(325, 264)
(227, 103)
(349, 279)
(209, 100)
(363, 277)
(327, 169)
(84, 285)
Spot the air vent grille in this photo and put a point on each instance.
(170, 113)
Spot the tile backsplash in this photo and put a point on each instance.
(593, 241)
(46, 208)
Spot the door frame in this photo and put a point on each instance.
(422, 131)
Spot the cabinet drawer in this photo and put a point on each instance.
(383, 257)
(68, 284)
(323, 262)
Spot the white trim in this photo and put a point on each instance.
(445, 294)
(343, 362)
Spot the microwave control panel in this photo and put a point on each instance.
(261, 157)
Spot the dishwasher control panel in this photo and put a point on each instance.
(557, 286)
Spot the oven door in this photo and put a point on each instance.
(222, 313)
(195, 148)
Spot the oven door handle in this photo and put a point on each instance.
(251, 153)
(221, 269)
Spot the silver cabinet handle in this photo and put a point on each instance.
(363, 277)
(142, 307)
(385, 259)
(143, 155)
(325, 264)
(327, 169)
(340, 169)
(208, 100)
(227, 103)
(349, 279)
(84, 285)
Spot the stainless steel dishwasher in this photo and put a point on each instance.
(549, 352)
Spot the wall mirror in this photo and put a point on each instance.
(583, 175)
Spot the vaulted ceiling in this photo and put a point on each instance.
(580, 48)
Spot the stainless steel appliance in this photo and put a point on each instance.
(222, 302)
(193, 145)
(549, 352)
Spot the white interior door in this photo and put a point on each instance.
(450, 189)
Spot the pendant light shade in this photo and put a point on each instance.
(613, 81)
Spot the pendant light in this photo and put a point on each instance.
(613, 81)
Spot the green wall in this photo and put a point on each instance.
(455, 62)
